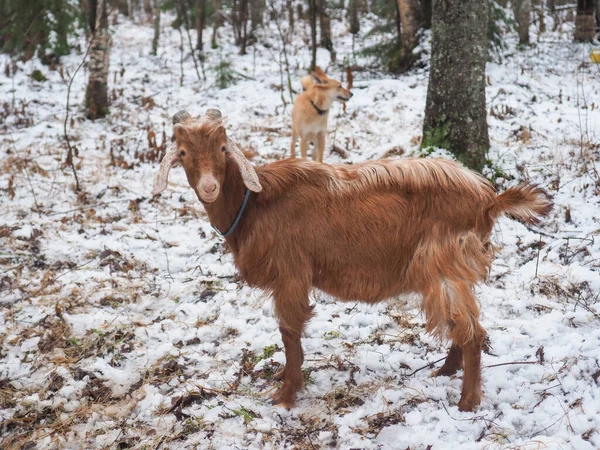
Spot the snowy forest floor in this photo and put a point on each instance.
(122, 322)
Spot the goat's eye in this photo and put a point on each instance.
(182, 152)
(223, 149)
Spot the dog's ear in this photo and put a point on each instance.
(319, 76)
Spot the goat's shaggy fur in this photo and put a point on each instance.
(363, 232)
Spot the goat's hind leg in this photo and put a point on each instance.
(293, 312)
(452, 306)
(453, 363)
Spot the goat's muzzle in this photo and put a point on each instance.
(208, 188)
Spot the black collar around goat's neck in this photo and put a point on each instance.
(237, 218)
(320, 111)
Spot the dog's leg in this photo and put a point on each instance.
(303, 147)
(319, 147)
(293, 148)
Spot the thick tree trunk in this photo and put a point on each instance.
(455, 113)
(409, 19)
(325, 24)
(313, 32)
(96, 97)
(200, 19)
(521, 10)
(585, 26)
(156, 27)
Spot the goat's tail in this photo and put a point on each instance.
(525, 202)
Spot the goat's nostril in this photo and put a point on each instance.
(208, 187)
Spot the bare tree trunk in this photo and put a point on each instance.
(217, 22)
(353, 16)
(148, 9)
(313, 33)
(325, 24)
(96, 96)
(455, 113)
(200, 19)
(585, 26)
(538, 7)
(257, 10)
(123, 7)
(409, 18)
(156, 27)
(243, 24)
(290, 10)
(521, 10)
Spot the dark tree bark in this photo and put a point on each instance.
(313, 32)
(455, 113)
(426, 9)
(353, 16)
(585, 26)
(239, 16)
(257, 10)
(289, 4)
(96, 96)
(148, 9)
(156, 27)
(521, 10)
(538, 7)
(200, 20)
(325, 25)
(409, 20)
(598, 17)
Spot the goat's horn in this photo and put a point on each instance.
(213, 114)
(180, 116)
(162, 177)
(247, 171)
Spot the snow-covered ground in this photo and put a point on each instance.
(123, 325)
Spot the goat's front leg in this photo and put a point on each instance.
(280, 374)
(293, 312)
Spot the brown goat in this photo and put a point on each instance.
(363, 232)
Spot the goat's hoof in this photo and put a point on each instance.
(469, 404)
(283, 399)
(444, 372)
(281, 404)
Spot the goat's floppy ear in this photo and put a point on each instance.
(247, 171)
(160, 182)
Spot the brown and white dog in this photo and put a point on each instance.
(311, 111)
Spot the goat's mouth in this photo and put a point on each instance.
(343, 99)
(208, 198)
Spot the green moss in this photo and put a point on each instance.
(267, 353)
(38, 76)
(436, 138)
